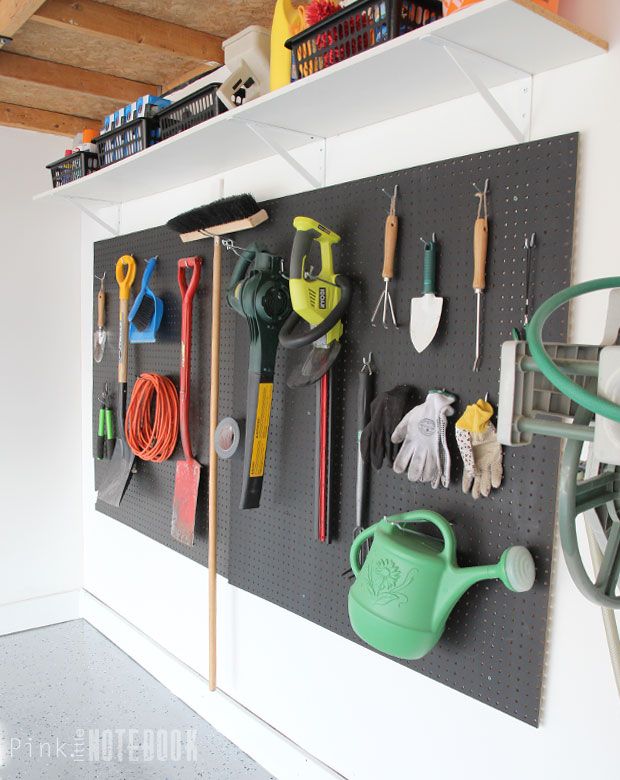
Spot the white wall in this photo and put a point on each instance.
(40, 456)
(363, 715)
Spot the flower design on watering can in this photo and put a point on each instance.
(386, 582)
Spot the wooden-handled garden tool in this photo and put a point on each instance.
(227, 215)
(100, 335)
(481, 243)
(188, 470)
(119, 470)
(387, 273)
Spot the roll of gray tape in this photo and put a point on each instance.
(229, 436)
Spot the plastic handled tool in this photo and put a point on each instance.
(259, 291)
(481, 243)
(101, 431)
(187, 476)
(387, 273)
(109, 429)
(119, 470)
(100, 335)
(365, 394)
(426, 310)
(147, 311)
(321, 299)
(105, 427)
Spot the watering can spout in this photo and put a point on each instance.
(458, 581)
(515, 569)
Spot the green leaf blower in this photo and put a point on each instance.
(258, 290)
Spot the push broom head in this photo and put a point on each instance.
(227, 215)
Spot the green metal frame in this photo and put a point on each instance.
(600, 493)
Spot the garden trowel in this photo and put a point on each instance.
(426, 310)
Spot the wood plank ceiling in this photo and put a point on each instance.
(68, 62)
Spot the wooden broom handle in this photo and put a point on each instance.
(213, 417)
(100, 309)
(481, 243)
(389, 250)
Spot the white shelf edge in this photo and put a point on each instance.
(249, 111)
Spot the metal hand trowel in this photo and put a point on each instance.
(426, 310)
(99, 336)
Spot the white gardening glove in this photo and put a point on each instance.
(422, 431)
(480, 450)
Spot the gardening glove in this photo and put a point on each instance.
(424, 452)
(385, 412)
(480, 450)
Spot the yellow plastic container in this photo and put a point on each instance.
(287, 21)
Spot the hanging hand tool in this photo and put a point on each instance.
(529, 245)
(426, 311)
(258, 291)
(119, 470)
(481, 243)
(216, 219)
(101, 429)
(321, 300)
(109, 426)
(187, 475)
(105, 428)
(147, 310)
(99, 337)
(389, 251)
(365, 393)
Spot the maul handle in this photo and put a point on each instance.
(481, 243)
(389, 250)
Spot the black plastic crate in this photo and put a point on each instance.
(127, 140)
(356, 28)
(190, 111)
(72, 167)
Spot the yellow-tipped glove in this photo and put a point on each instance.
(480, 450)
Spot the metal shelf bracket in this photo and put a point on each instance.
(518, 125)
(113, 229)
(266, 133)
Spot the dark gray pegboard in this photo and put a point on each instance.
(147, 503)
(493, 647)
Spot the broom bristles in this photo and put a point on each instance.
(220, 212)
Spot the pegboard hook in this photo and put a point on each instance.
(482, 199)
(367, 364)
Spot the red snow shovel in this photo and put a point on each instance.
(188, 470)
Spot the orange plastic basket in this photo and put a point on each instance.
(451, 6)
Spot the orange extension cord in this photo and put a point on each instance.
(153, 439)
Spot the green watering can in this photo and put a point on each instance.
(409, 583)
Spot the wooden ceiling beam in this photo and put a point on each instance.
(15, 13)
(105, 21)
(43, 121)
(58, 76)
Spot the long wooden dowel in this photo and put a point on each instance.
(213, 417)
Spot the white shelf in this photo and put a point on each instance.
(500, 40)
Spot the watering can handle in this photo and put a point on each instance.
(355, 547)
(415, 516)
(428, 516)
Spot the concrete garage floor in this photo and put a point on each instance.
(72, 705)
